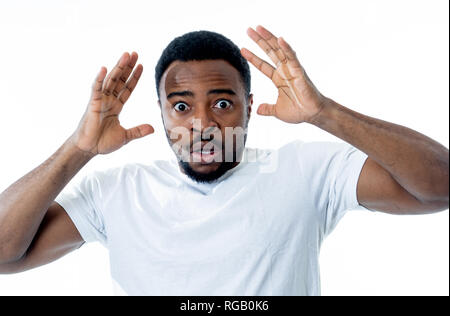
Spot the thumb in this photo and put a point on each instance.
(266, 109)
(139, 132)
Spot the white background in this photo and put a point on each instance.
(387, 59)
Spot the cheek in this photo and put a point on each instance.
(176, 130)
(172, 120)
(178, 134)
(238, 117)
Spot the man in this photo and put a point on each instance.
(219, 219)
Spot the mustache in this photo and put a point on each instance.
(207, 137)
(202, 143)
(184, 141)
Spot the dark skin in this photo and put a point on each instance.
(406, 172)
(200, 86)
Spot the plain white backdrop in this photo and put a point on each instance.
(386, 59)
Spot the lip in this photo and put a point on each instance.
(205, 158)
(200, 145)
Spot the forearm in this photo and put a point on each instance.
(24, 204)
(419, 164)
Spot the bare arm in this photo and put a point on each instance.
(35, 230)
(24, 204)
(56, 237)
(406, 172)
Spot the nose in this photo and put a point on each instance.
(203, 121)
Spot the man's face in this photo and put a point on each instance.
(203, 104)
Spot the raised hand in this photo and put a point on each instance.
(298, 98)
(99, 131)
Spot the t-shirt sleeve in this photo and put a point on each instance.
(81, 201)
(333, 170)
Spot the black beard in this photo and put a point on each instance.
(205, 177)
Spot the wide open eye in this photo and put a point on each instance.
(181, 107)
(223, 104)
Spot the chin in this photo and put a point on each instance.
(204, 168)
(205, 173)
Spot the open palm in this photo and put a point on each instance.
(100, 131)
(298, 99)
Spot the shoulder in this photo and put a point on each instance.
(309, 146)
(314, 155)
(315, 149)
(130, 171)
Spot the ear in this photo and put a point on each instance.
(249, 106)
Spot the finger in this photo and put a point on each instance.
(266, 109)
(131, 84)
(139, 132)
(126, 73)
(272, 40)
(289, 52)
(264, 45)
(263, 66)
(98, 84)
(114, 75)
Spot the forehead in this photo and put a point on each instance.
(200, 75)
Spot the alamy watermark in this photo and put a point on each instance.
(211, 145)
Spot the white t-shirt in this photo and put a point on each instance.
(256, 231)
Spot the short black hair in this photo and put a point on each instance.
(203, 45)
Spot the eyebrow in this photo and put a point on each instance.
(180, 94)
(222, 91)
(188, 93)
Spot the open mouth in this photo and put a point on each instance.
(205, 156)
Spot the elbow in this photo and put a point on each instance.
(439, 206)
(436, 204)
(11, 249)
(443, 203)
(437, 193)
(442, 194)
(9, 255)
(10, 262)
(441, 197)
(444, 184)
(438, 184)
